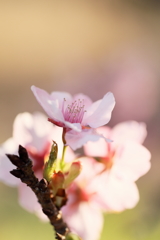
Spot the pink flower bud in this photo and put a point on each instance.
(74, 171)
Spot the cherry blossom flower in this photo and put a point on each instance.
(78, 116)
(83, 213)
(124, 160)
(32, 132)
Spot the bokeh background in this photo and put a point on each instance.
(91, 47)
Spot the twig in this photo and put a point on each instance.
(40, 188)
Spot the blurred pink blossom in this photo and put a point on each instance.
(82, 206)
(77, 115)
(108, 184)
(83, 213)
(124, 160)
(32, 132)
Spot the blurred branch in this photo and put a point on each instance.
(40, 188)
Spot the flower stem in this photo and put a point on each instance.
(62, 163)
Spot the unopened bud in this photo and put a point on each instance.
(56, 181)
(74, 171)
(50, 165)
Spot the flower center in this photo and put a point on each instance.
(74, 112)
(108, 160)
(78, 194)
(38, 158)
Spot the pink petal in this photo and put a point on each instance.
(6, 166)
(99, 113)
(84, 216)
(90, 110)
(74, 126)
(50, 106)
(130, 130)
(60, 96)
(86, 99)
(85, 220)
(116, 194)
(105, 131)
(76, 140)
(32, 130)
(99, 148)
(28, 201)
(23, 123)
(131, 161)
(87, 175)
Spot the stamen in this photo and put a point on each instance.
(74, 112)
(82, 115)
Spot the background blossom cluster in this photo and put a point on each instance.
(109, 169)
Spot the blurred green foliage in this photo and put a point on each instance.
(140, 223)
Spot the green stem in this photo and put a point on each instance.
(62, 163)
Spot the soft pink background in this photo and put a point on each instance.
(90, 47)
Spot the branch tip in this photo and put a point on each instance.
(23, 154)
(17, 173)
(41, 189)
(15, 160)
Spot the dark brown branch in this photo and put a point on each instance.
(40, 188)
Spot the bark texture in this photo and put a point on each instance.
(41, 189)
